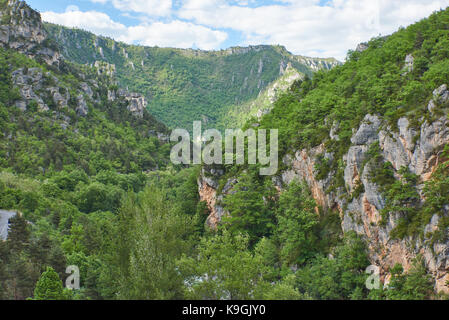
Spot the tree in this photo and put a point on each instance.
(341, 276)
(49, 286)
(224, 268)
(296, 219)
(251, 207)
(153, 235)
(414, 285)
(19, 233)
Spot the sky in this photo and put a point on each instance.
(315, 28)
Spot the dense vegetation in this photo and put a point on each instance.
(97, 192)
(183, 86)
(375, 81)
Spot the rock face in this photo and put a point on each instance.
(28, 81)
(409, 64)
(418, 149)
(403, 149)
(362, 47)
(82, 109)
(207, 188)
(21, 29)
(136, 102)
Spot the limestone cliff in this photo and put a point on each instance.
(21, 29)
(361, 201)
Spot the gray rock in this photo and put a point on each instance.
(362, 47)
(409, 64)
(22, 105)
(87, 90)
(398, 147)
(441, 95)
(136, 102)
(61, 100)
(367, 132)
(82, 109)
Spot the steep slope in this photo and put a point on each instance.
(236, 116)
(72, 145)
(41, 89)
(182, 86)
(370, 138)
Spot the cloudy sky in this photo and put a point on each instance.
(318, 28)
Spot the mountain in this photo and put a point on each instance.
(62, 134)
(185, 85)
(86, 182)
(370, 139)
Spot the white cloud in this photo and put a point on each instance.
(94, 21)
(176, 33)
(305, 27)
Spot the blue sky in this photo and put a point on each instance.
(323, 28)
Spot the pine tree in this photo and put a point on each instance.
(19, 233)
(49, 286)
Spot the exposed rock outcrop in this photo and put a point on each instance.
(416, 148)
(136, 102)
(419, 151)
(28, 81)
(82, 109)
(207, 188)
(21, 29)
(409, 64)
(362, 47)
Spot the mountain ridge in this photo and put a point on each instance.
(186, 85)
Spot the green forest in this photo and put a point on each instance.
(98, 190)
(185, 85)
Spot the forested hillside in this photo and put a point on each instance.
(85, 170)
(183, 86)
(66, 151)
(370, 140)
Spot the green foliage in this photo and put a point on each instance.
(415, 285)
(224, 268)
(251, 207)
(153, 234)
(402, 198)
(338, 277)
(183, 86)
(296, 219)
(49, 287)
